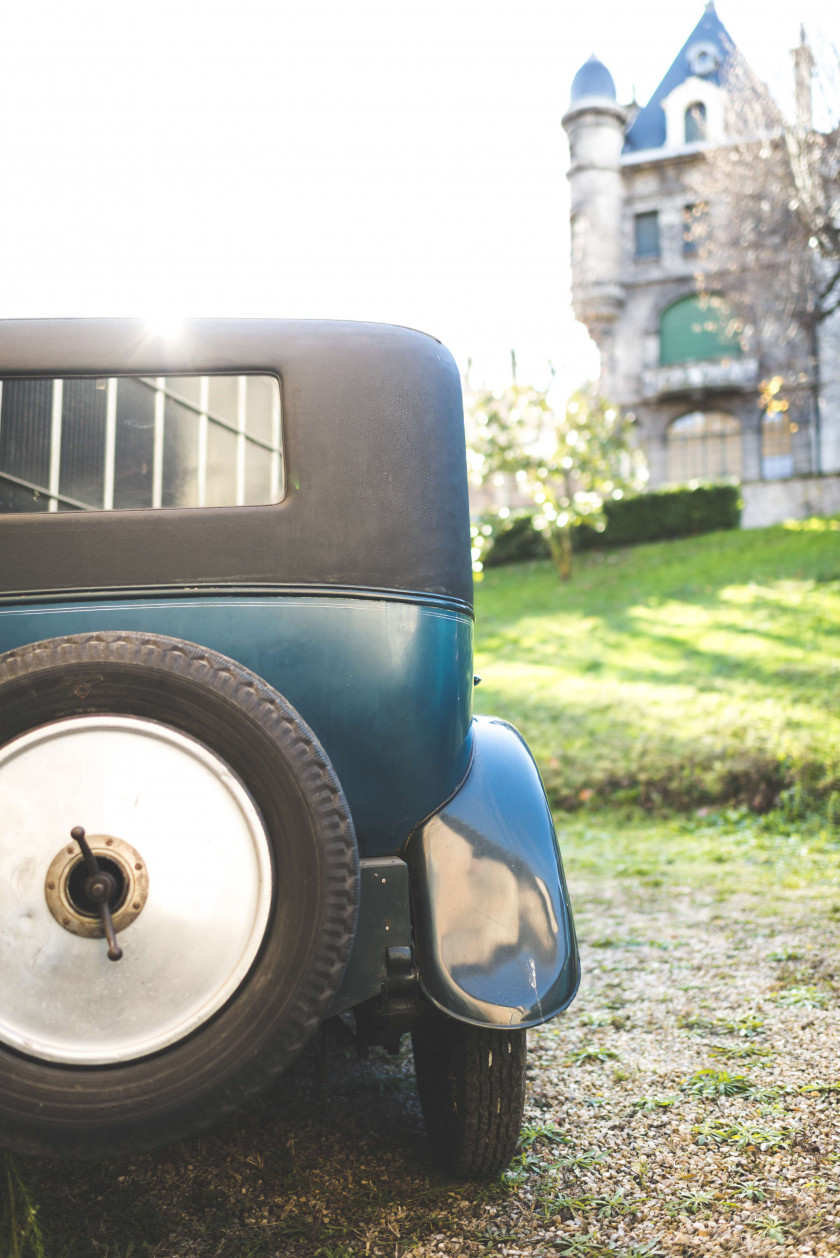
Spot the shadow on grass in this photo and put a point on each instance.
(629, 650)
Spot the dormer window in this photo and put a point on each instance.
(694, 113)
(695, 122)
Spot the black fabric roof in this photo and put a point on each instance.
(373, 435)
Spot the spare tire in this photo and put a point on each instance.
(235, 889)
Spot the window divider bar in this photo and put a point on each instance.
(276, 467)
(203, 429)
(157, 449)
(110, 444)
(55, 442)
(241, 419)
(40, 489)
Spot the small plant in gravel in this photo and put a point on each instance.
(655, 1102)
(618, 1021)
(647, 1249)
(822, 1089)
(767, 1095)
(743, 1134)
(590, 1246)
(538, 1133)
(553, 1203)
(590, 1053)
(696, 1022)
(769, 1226)
(819, 1183)
(641, 1169)
(694, 1201)
(494, 1236)
(745, 1027)
(618, 1203)
(805, 997)
(749, 1190)
(741, 1052)
(581, 1161)
(610, 941)
(784, 954)
(522, 1165)
(716, 1083)
(19, 1216)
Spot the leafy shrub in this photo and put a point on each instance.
(514, 540)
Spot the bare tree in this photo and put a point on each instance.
(766, 226)
(766, 220)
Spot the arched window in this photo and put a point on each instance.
(704, 445)
(695, 122)
(699, 327)
(776, 446)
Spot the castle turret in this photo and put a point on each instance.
(595, 124)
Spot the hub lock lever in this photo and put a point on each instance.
(101, 888)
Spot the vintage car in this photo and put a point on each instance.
(242, 791)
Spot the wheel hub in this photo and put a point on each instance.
(66, 896)
(182, 865)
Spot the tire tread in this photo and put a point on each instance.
(471, 1082)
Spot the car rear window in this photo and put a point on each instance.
(128, 442)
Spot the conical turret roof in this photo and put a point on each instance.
(592, 79)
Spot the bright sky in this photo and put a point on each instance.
(380, 159)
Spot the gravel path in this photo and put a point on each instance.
(688, 1103)
(718, 1114)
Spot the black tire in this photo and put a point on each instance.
(55, 1109)
(471, 1082)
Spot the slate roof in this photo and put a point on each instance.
(648, 128)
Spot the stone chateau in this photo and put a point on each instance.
(668, 354)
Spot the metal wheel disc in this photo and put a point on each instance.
(188, 941)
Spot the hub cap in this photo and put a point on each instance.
(190, 920)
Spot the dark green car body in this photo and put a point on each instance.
(351, 597)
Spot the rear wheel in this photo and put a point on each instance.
(471, 1082)
(233, 869)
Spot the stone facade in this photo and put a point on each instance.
(668, 354)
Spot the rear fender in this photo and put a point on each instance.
(493, 925)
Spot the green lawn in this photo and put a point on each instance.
(687, 673)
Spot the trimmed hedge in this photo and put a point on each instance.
(666, 513)
(652, 517)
